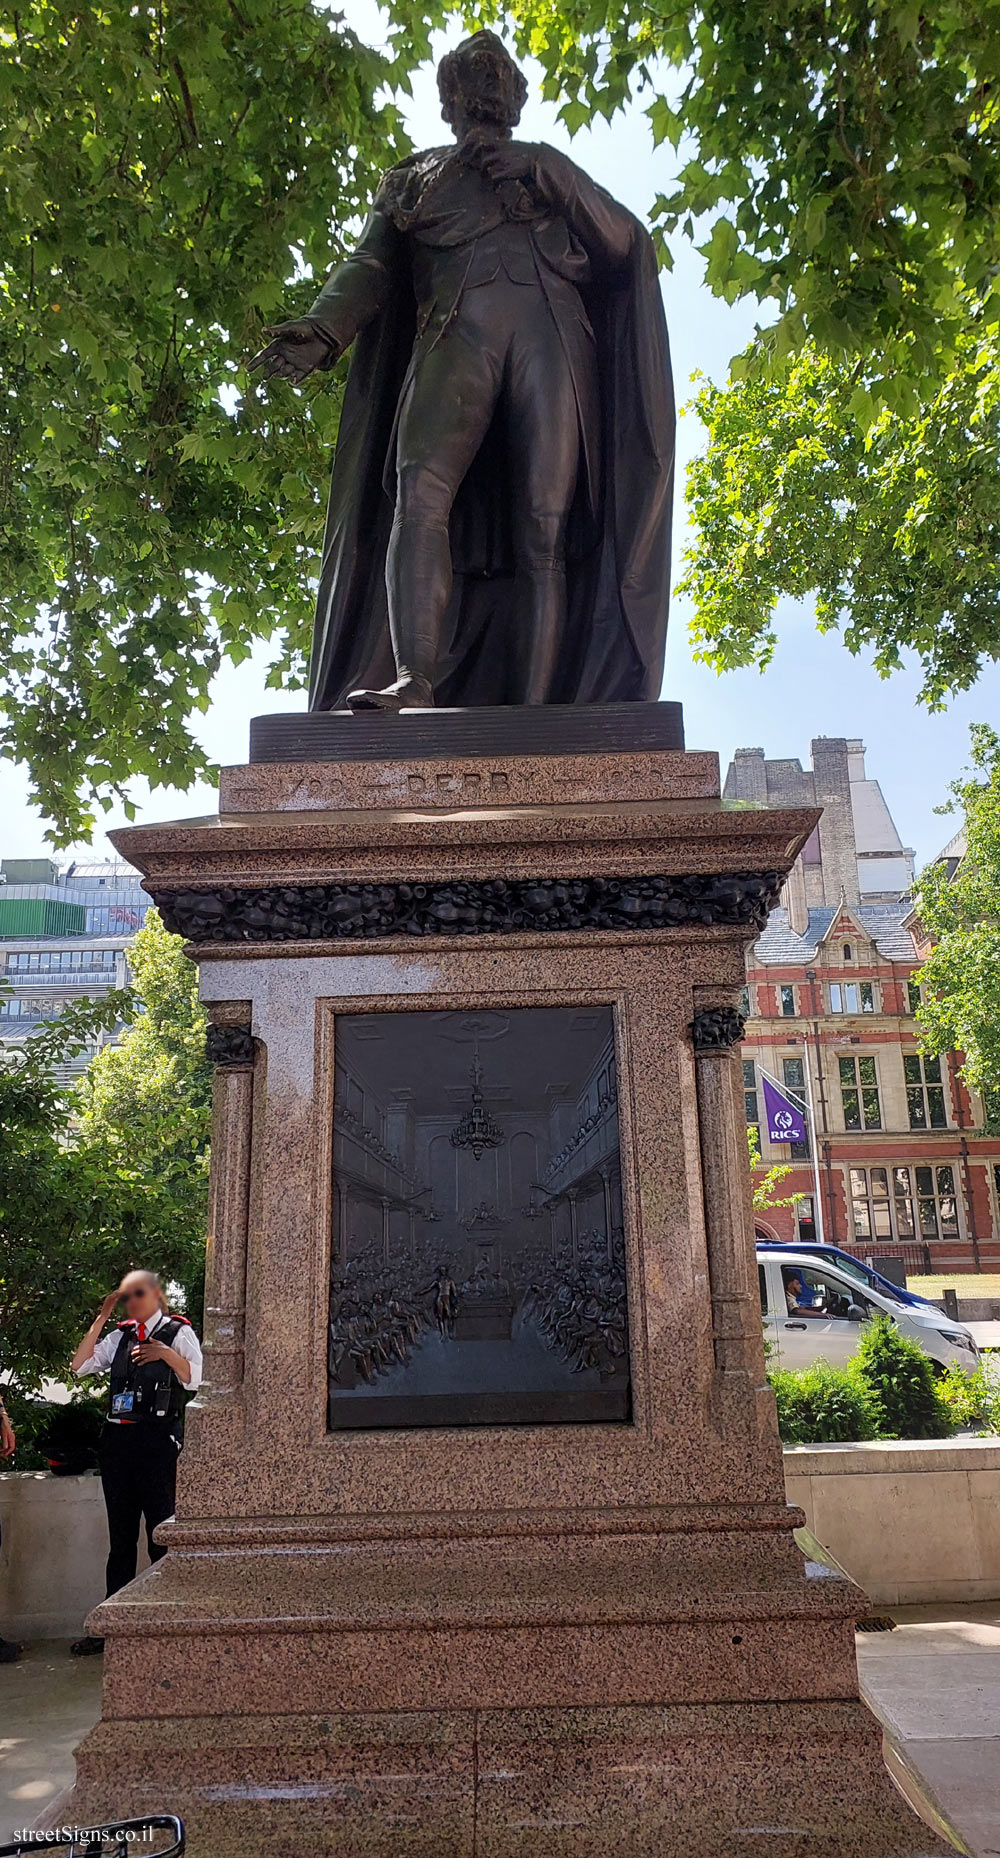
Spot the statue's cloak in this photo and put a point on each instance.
(618, 554)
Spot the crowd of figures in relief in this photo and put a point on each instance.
(479, 1252)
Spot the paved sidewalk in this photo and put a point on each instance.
(48, 1701)
(934, 1682)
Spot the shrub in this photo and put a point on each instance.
(52, 1435)
(822, 1405)
(973, 1399)
(902, 1379)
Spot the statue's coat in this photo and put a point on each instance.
(618, 557)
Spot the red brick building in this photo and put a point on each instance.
(904, 1167)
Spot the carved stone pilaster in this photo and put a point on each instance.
(736, 1326)
(230, 1047)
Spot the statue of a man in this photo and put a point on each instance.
(499, 524)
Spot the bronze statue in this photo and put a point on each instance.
(499, 523)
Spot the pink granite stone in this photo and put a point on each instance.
(511, 780)
(486, 1642)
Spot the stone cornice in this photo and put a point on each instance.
(556, 841)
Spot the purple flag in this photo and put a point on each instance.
(785, 1121)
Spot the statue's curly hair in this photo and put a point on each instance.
(482, 73)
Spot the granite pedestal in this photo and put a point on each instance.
(505, 1639)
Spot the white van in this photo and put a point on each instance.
(813, 1309)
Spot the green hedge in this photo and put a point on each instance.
(51, 1433)
(888, 1390)
(821, 1405)
(903, 1380)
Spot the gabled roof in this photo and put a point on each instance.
(781, 946)
(846, 920)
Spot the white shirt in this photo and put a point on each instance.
(185, 1342)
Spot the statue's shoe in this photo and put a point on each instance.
(409, 693)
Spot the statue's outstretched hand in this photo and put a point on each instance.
(295, 350)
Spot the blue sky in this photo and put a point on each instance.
(813, 686)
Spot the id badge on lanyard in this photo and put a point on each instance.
(122, 1403)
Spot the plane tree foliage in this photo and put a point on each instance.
(889, 519)
(844, 160)
(173, 175)
(959, 910)
(145, 1104)
(176, 173)
(111, 1173)
(840, 166)
(65, 1216)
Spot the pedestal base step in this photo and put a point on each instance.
(428, 735)
(790, 1780)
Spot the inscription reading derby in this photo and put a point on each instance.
(334, 912)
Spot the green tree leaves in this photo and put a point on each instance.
(145, 1105)
(65, 1216)
(842, 167)
(960, 913)
(109, 1177)
(173, 176)
(176, 173)
(854, 151)
(885, 507)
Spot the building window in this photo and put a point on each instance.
(61, 961)
(913, 995)
(848, 952)
(794, 1078)
(871, 1203)
(859, 1093)
(904, 1203)
(786, 996)
(32, 1010)
(750, 1108)
(852, 997)
(924, 1091)
(806, 1219)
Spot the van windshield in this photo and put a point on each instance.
(850, 1267)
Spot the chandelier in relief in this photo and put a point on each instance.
(477, 1131)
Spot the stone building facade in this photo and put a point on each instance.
(856, 852)
(905, 1167)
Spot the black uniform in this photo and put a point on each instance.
(139, 1449)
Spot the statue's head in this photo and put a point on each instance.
(480, 85)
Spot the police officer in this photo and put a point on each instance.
(154, 1359)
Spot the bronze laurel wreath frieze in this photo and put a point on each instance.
(366, 912)
(716, 1028)
(229, 1046)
